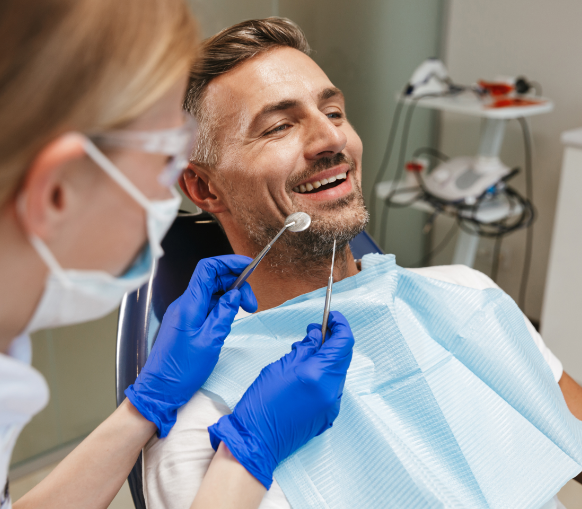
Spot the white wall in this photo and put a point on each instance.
(542, 40)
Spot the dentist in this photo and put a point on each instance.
(92, 140)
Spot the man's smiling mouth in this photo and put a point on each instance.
(321, 185)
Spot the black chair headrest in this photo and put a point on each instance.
(191, 238)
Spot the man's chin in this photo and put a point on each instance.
(340, 220)
(346, 211)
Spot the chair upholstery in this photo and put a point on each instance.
(362, 245)
(191, 238)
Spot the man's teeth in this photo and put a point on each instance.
(310, 186)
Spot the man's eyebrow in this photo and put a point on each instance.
(330, 92)
(285, 104)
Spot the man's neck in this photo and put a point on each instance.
(275, 285)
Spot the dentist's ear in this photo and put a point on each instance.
(44, 201)
(196, 184)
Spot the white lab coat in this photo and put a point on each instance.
(23, 393)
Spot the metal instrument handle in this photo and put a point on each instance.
(253, 265)
(328, 297)
(326, 309)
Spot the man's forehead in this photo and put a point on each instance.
(277, 75)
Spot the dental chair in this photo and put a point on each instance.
(191, 238)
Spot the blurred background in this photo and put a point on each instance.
(370, 48)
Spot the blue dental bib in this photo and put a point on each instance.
(448, 402)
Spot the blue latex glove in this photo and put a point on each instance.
(292, 400)
(189, 341)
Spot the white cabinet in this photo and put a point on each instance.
(561, 319)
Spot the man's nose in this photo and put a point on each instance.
(324, 139)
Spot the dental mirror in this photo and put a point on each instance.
(296, 222)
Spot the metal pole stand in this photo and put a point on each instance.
(490, 146)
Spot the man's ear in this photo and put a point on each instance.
(196, 184)
(43, 199)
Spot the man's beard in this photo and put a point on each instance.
(346, 217)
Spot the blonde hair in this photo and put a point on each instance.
(83, 65)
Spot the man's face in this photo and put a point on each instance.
(286, 146)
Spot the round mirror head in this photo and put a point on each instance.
(301, 219)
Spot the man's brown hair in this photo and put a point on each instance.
(223, 52)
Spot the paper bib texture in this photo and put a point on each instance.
(448, 402)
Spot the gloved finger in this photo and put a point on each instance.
(341, 342)
(211, 276)
(314, 334)
(313, 326)
(307, 339)
(222, 265)
(331, 417)
(248, 301)
(217, 325)
(225, 281)
(307, 347)
(214, 301)
(218, 266)
(316, 326)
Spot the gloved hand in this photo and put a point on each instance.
(292, 400)
(189, 341)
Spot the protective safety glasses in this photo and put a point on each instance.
(177, 143)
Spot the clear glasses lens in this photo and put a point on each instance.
(177, 143)
(174, 169)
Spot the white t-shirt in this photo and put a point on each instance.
(23, 393)
(175, 466)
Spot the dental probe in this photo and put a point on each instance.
(296, 222)
(327, 298)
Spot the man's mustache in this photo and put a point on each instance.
(325, 163)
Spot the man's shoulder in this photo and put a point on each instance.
(457, 274)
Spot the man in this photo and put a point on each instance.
(274, 139)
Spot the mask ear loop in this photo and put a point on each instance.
(108, 167)
(128, 186)
(41, 248)
(47, 257)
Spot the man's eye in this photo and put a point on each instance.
(278, 129)
(335, 115)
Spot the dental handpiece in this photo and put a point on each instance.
(296, 222)
(327, 298)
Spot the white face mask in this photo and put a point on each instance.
(74, 296)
